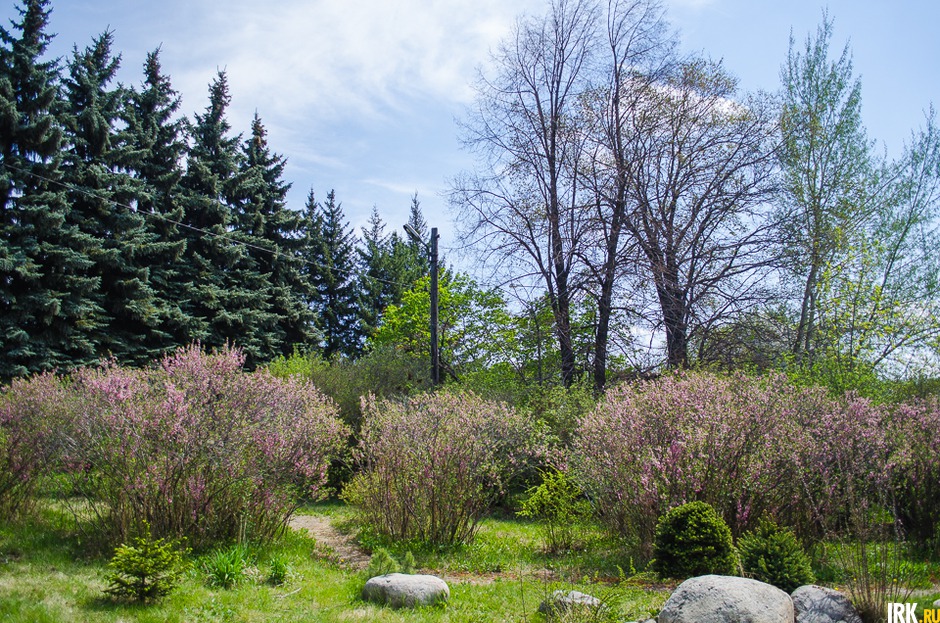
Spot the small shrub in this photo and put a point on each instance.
(559, 504)
(227, 568)
(431, 465)
(382, 563)
(408, 563)
(146, 570)
(693, 540)
(773, 555)
(279, 572)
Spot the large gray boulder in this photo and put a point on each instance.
(560, 602)
(817, 604)
(726, 599)
(403, 590)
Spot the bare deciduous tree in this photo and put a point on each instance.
(524, 207)
(699, 175)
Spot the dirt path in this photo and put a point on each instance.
(326, 535)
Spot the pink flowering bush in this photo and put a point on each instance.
(915, 430)
(197, 448)
(431, 465)
(749, 447)
(32, 414)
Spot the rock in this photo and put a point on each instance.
(726, 599)
(936, 604)
(560, 602)
(816, 604)
(403, 590)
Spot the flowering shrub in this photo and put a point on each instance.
(32, 413)
(198, 448)
(430, 465)
(746, 446)
(915, 428)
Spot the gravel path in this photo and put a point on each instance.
(326, 535)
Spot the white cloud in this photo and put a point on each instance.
(333, 58)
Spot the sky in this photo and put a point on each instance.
(362, 96)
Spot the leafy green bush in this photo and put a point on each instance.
(559, 504)
(772, 554)
(280, 571)
(146, 570)
(227, 568)
(693, 540)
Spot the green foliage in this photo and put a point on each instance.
(391, 265)
(330, 253)
(265, 223)
(383, 371)
(229, 567)
(147, 570)
(382, 563)
(772, 554)
(560, 505)
(560, 409)
(475, 329)
(691, 540)
(279, 572)
(47, 297)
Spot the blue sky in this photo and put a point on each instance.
(361, 95)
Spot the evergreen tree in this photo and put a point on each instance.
(391, 265)
(415, 265)
(274, 237)
(46, 308)
(376, 288)
(155, 150)
(331, 257)
(99, 195)
(222, 291)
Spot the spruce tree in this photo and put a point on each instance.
(154, 155)
(100, 194)
(274, 237)
(410, 257)
(47, 313)
(222, 290)
(331, 256)
(375, 277)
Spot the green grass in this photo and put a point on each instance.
(45, 576)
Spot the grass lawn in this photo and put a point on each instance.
(502, 576)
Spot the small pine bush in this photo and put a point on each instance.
(772, 554)
(383, 563)
(147, 570)
(693, 540)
